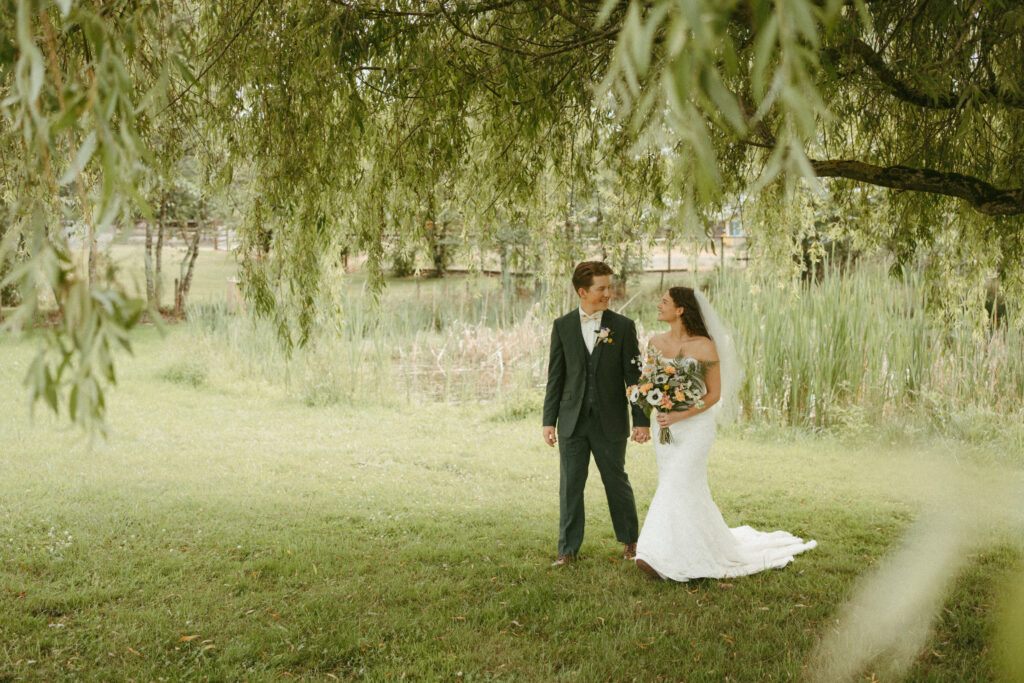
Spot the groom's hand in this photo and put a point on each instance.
(549, 436)
(641, 434)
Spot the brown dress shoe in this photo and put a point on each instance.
(563, 560)
(629, 552)
(647, 569)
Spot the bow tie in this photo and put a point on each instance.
(593, 317)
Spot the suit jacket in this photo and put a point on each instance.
(616, 369)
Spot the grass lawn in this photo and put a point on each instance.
(228, 531)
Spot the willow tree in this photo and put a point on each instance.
(353, 118)
(916, 103)
(516, 105)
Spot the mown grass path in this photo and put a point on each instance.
(229, 532)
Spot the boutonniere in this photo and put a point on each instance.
(604, 336)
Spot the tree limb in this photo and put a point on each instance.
(556, 50)
(918, 96)
(985, 198)
(384, 13)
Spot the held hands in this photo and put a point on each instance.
(641, 434)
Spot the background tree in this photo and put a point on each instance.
(341, 111)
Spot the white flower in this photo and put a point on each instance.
(634, 395)
(661, 378)
(654, 398)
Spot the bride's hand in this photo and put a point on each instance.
(666, 419)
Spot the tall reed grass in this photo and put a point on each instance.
(452, 341)
(855, 349)
(862, 347)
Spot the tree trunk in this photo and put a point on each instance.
(436, 239)
(439, 249)
(668, 251)
(506, 282)
(188, 265)
(93, 256)
(620, 284)
(148, 259)
(158, 279)
(538, 281)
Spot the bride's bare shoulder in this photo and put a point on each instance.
(704, 349)
(657, 342)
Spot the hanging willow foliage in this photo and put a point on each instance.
(360, 123)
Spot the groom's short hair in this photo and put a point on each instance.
(584, 274)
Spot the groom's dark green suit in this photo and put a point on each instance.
(586, 400)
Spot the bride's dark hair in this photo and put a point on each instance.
(693, 321)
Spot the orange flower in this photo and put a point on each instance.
(670, 370)
(646, 387)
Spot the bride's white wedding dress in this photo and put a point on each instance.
(684, 536)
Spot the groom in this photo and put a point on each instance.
(593, 353)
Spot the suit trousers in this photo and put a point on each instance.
(610, 455)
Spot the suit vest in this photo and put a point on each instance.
(590, 390)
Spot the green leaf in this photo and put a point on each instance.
(50, 390)
(73, 403)
(725, 100)
(865, 15)
(183, 70)
(803, 17)
(764, 48)
(82, 157)
(606, 11)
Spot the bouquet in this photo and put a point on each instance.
(669, 385)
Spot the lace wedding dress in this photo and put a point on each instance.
(684, 536)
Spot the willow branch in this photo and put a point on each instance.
(242, 26)
(566, 47)
(384, 13)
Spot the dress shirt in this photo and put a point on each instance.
(591, 325)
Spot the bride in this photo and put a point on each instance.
(684, 536)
